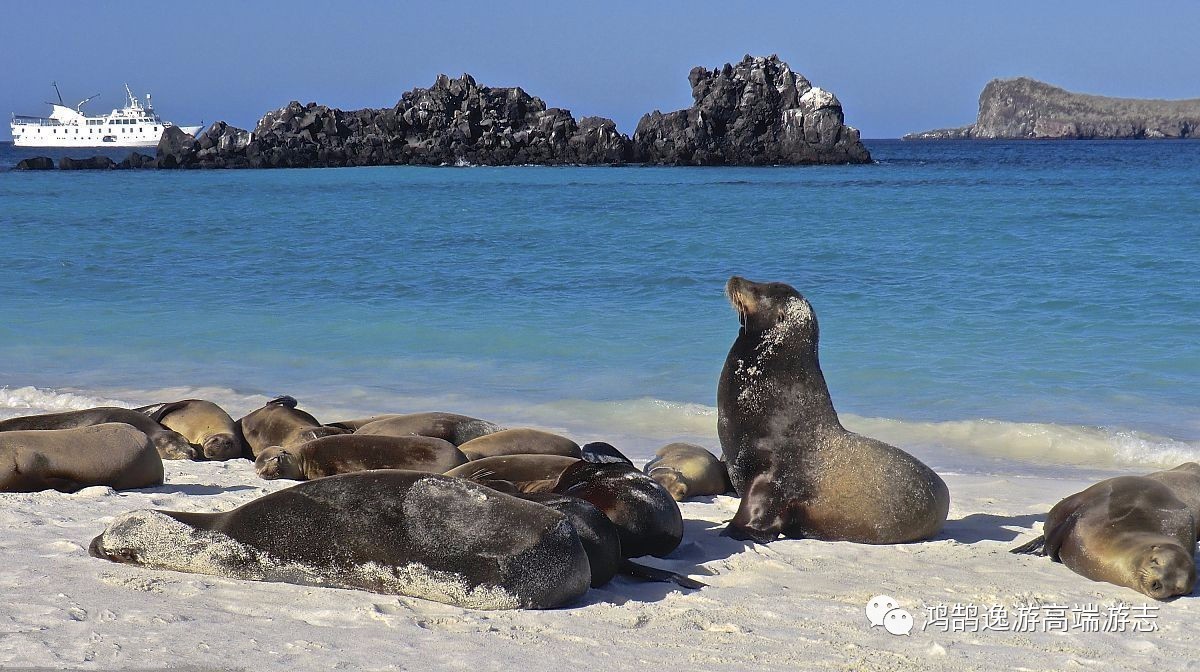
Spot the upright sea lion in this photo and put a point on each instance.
(113, 454)
(798, 471)
(346, 453)
(520, 441)
(1133, 531)
(202, 423)
(280, 423)
(386, 531)
(687, 470)
(170, 444)
(457, 429)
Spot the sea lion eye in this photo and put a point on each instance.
(1153, 562)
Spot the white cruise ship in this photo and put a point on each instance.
(135, 125)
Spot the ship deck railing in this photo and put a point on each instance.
(21, 120)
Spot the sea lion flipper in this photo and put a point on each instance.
(1035, 547)
(1056, 536)
(159, 411)
(647, 573)
(759, 517)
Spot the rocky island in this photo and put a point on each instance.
(1024, 108)
(756, 112)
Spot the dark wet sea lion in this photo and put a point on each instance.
(347, 453)
(170, 444)
(280, 423)
(521, 441)
(452, 427)
(113, 454)
(647, 518)
(798, 471)
(1133, 531)
(599, 536)
(599, 451)
(687, 470)
(202, 423)
(386, 531)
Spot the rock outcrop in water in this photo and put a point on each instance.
(455, 121)
(753, 113)
(36, 163)
(757, 112)
(1025, 108)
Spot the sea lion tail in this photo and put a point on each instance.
(647, 573)
(1035, 547)
(283, 400)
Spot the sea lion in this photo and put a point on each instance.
(1133, 531)
(202, 423)
(522, 441)
(387, 531)
(687, 470)
(523, 473)
(346, 453)
(170, 444)
(647, 518)
(798, 471)
(114, 454)
(599, 451)
(280, 423)
(600, 538)
(452, 427)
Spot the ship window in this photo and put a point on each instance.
(156, 128)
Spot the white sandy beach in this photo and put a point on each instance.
(795, 604)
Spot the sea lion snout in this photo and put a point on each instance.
(1167, 571)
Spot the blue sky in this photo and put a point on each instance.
(897, 67)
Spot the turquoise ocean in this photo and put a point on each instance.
(989, 306)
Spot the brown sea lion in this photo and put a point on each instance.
(452, 427)
(526, 473)
(280, 423)
(798, 471)
(346, 453)
(114, 454)
(1133, 531)
(202, 423)
(687, 470)
(385, 531)
(170, 444)
(522, 441)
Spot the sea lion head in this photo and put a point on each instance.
(223, 446)
(276, 462)
(774, 308)
(172, 446)
(672, 480)
(1165, 570)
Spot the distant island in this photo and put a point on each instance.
(1025, 108)
(755, 112)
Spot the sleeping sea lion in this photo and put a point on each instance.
(687, 470)
(346, 453)
(520, 441)
(202, 423)
(113, 454)
(1133, 531)
(457, 429)
(170, 444)
(386, 531)
(280, 423)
